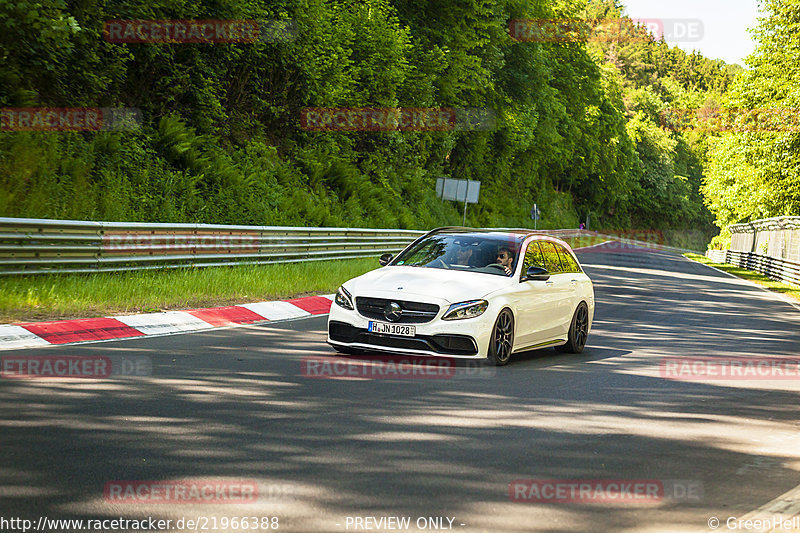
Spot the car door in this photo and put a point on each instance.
(576, 279)
(561, 288)
(534, 301)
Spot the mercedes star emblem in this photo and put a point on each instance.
(393, 312)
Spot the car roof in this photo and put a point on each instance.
(524, 233)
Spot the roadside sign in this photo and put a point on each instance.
(458, 190)
(466, 191)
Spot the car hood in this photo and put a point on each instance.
(425, 284)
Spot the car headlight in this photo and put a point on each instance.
(464, 310)
(343, 299)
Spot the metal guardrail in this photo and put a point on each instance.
(770, 246)
(29, 246)
(772, 267)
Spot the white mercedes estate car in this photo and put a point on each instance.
(468, 293)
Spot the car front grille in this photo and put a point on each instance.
(440, 343)
(413, 312)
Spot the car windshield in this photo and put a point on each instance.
(474, 252)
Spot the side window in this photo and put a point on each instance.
(569, 263)
(551, 261)
(533, 257)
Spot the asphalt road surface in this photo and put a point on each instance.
(234, 406)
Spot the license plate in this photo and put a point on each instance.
(392, 329)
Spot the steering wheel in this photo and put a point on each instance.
(501, 267)
(440, 260)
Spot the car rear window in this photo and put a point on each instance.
(567, 261)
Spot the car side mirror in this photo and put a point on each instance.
(385, 259)
(536, 273)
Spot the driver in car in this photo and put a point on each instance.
(505, 258)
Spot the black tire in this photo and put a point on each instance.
(502, 341)
(578, 331)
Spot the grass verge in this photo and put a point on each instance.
(60, 296)
(749, 275)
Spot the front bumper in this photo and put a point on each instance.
(467, 338)
(344, 334)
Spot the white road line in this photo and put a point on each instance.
(591, 246)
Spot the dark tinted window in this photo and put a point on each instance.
(468, 251)
(533, 257)
(567, 261)
(551, 261)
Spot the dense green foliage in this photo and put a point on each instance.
(578, 127)
(756, 174)
(653, 78)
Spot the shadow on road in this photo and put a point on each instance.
(234, 404)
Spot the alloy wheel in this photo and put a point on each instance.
(502, 338)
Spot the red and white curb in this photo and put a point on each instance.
(36, 334)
